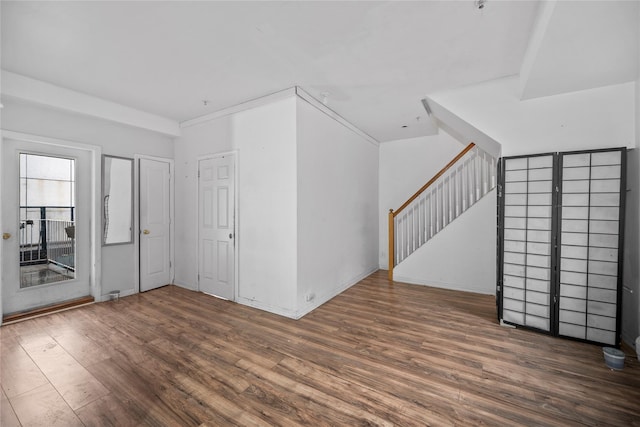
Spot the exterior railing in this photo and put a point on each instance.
(47, 240)
(457, 186)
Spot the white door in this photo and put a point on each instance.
(155, 223)
(216, 233)
(46, 210)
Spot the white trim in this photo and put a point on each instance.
(257, 102)
(335, 116)
(236, 228)
(267, 99)
(136, 215)
(43, 93)
(95, 272)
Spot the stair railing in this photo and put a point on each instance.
(457, 186)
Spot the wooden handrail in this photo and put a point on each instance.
(435, 177)
(392, 213)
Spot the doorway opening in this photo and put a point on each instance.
(47, 220)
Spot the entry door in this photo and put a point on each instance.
(45, 260)
(216, 237)
(155, 223)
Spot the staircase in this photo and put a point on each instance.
(458, 186)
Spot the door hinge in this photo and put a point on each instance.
(198, 173)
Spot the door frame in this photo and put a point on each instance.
(95, 152)
(236, 216)
(136, 215)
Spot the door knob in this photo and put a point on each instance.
(6, 236)
(145, 231)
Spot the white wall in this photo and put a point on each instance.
(406, 165)
(307, 214)
(266, 141)
(337, 240)
(589, 119)
(462, 256)
(117, 262)
(207, 138)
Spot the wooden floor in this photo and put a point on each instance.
(378, 354)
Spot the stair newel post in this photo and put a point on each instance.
(391, 243)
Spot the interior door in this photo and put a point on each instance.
(155, 223)
(216, 233)
(45, 260)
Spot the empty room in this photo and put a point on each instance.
(391, 213)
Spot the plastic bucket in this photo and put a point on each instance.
(613, 357)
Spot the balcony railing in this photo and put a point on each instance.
(47, 240)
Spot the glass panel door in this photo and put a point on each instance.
(47, 219)
(47, 198)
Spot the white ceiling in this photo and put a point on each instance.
(374, 60)
(582, 45)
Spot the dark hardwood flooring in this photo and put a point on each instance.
(381, 353)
